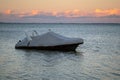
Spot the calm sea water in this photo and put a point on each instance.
(97, 59)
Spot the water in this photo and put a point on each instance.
(97, 59)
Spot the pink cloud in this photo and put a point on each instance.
(72, 13)
(55, 13)
(69, 15)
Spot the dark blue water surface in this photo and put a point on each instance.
(97, 59)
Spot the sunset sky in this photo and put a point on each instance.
(60, 11)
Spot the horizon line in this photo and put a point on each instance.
(61, 22)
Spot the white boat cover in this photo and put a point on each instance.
(48, 39)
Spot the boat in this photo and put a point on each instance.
(49, 41)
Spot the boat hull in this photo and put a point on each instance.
(67, 47)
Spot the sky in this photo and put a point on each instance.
(60, 11)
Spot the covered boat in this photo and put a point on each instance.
(49, 41)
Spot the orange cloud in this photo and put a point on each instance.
(34, 12)
(100, 12)
(8, 11)
(76, 11)
(31, 13)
